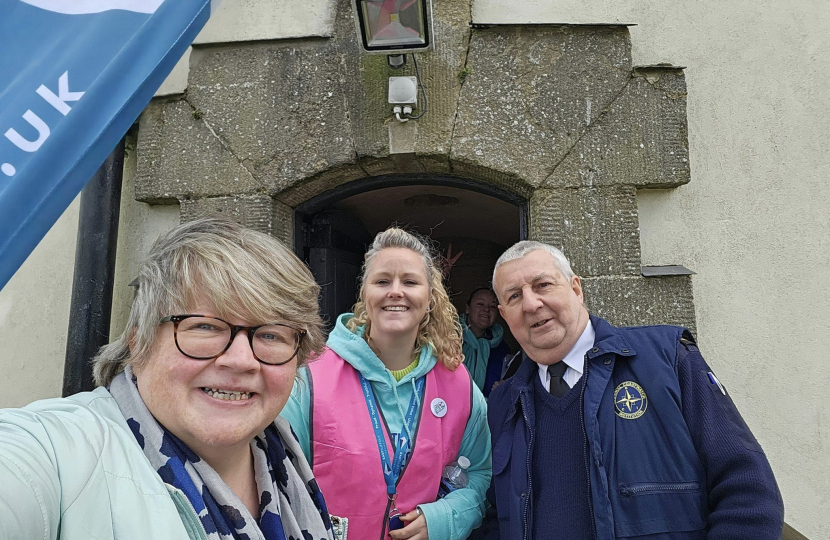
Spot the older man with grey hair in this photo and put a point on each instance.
(607, 432)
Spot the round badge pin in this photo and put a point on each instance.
(439, 407)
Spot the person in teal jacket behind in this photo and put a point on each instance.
(179, 441)
(404, 328)
(484, 347)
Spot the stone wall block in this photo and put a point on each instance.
(325, 181)
(364, 79)
(258, 212)
(634, 301)
(180, 157)
(531, 91)
(279, 106)
(435, 163)
(282, 223)
(442, 72)
(641, 139)
(509, 182)
(596, 228)
(254, 212)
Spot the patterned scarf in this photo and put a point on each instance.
(291, 505)
(477, 350)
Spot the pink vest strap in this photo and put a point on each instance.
(345, 457)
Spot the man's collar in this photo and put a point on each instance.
(575, 359)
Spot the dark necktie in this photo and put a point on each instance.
(558, 386)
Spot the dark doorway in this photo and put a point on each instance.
(333, 230)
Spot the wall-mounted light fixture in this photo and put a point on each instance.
(394, 27)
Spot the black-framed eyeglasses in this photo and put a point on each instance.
(203, 337)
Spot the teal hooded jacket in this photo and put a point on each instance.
(449, 518)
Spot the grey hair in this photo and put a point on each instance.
(239, 272)
(520, 249)
(440, 327)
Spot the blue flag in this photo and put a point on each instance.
(74, 76)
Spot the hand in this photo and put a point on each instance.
(450, 260)
(415, 530)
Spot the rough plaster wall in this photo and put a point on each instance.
(753, 222)
(34, 312)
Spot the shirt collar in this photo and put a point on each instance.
(576, 356)
(575, 359)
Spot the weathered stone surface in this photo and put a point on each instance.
(252, 20)
(442, 72)
(633, 301)
(640, 139)
(402, 137)
(364, 79)
(258, 212)
(282, 223)
(180, 157)
(279, 106)
(531, 92)
(596, 228)
(320, 183)
(509, 182)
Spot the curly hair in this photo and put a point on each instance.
(242, 273)
(439, 328)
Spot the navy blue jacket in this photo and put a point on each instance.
(668, 454)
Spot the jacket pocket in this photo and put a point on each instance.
(659, 507)
(646, 488)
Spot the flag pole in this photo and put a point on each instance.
(92, 286)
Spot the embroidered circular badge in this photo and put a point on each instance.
(630, 400)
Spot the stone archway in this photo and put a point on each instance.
(556, 115)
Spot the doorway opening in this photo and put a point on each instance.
(469, 224)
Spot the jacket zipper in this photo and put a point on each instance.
(585, 447)
(634, 489)
(529, 472)
(197, 523)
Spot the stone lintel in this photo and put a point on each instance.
(258, 212)
(641, 139)
(596, 228)
(180, 157)
(635, 301)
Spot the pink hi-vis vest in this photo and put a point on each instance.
(345, 457)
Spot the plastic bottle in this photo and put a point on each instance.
(454, 477)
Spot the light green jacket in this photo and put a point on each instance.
(71, 468)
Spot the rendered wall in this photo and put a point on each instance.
(34, 317)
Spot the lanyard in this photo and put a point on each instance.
(391, 471)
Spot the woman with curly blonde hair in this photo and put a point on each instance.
(385, 409)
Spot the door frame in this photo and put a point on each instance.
(320, 202)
